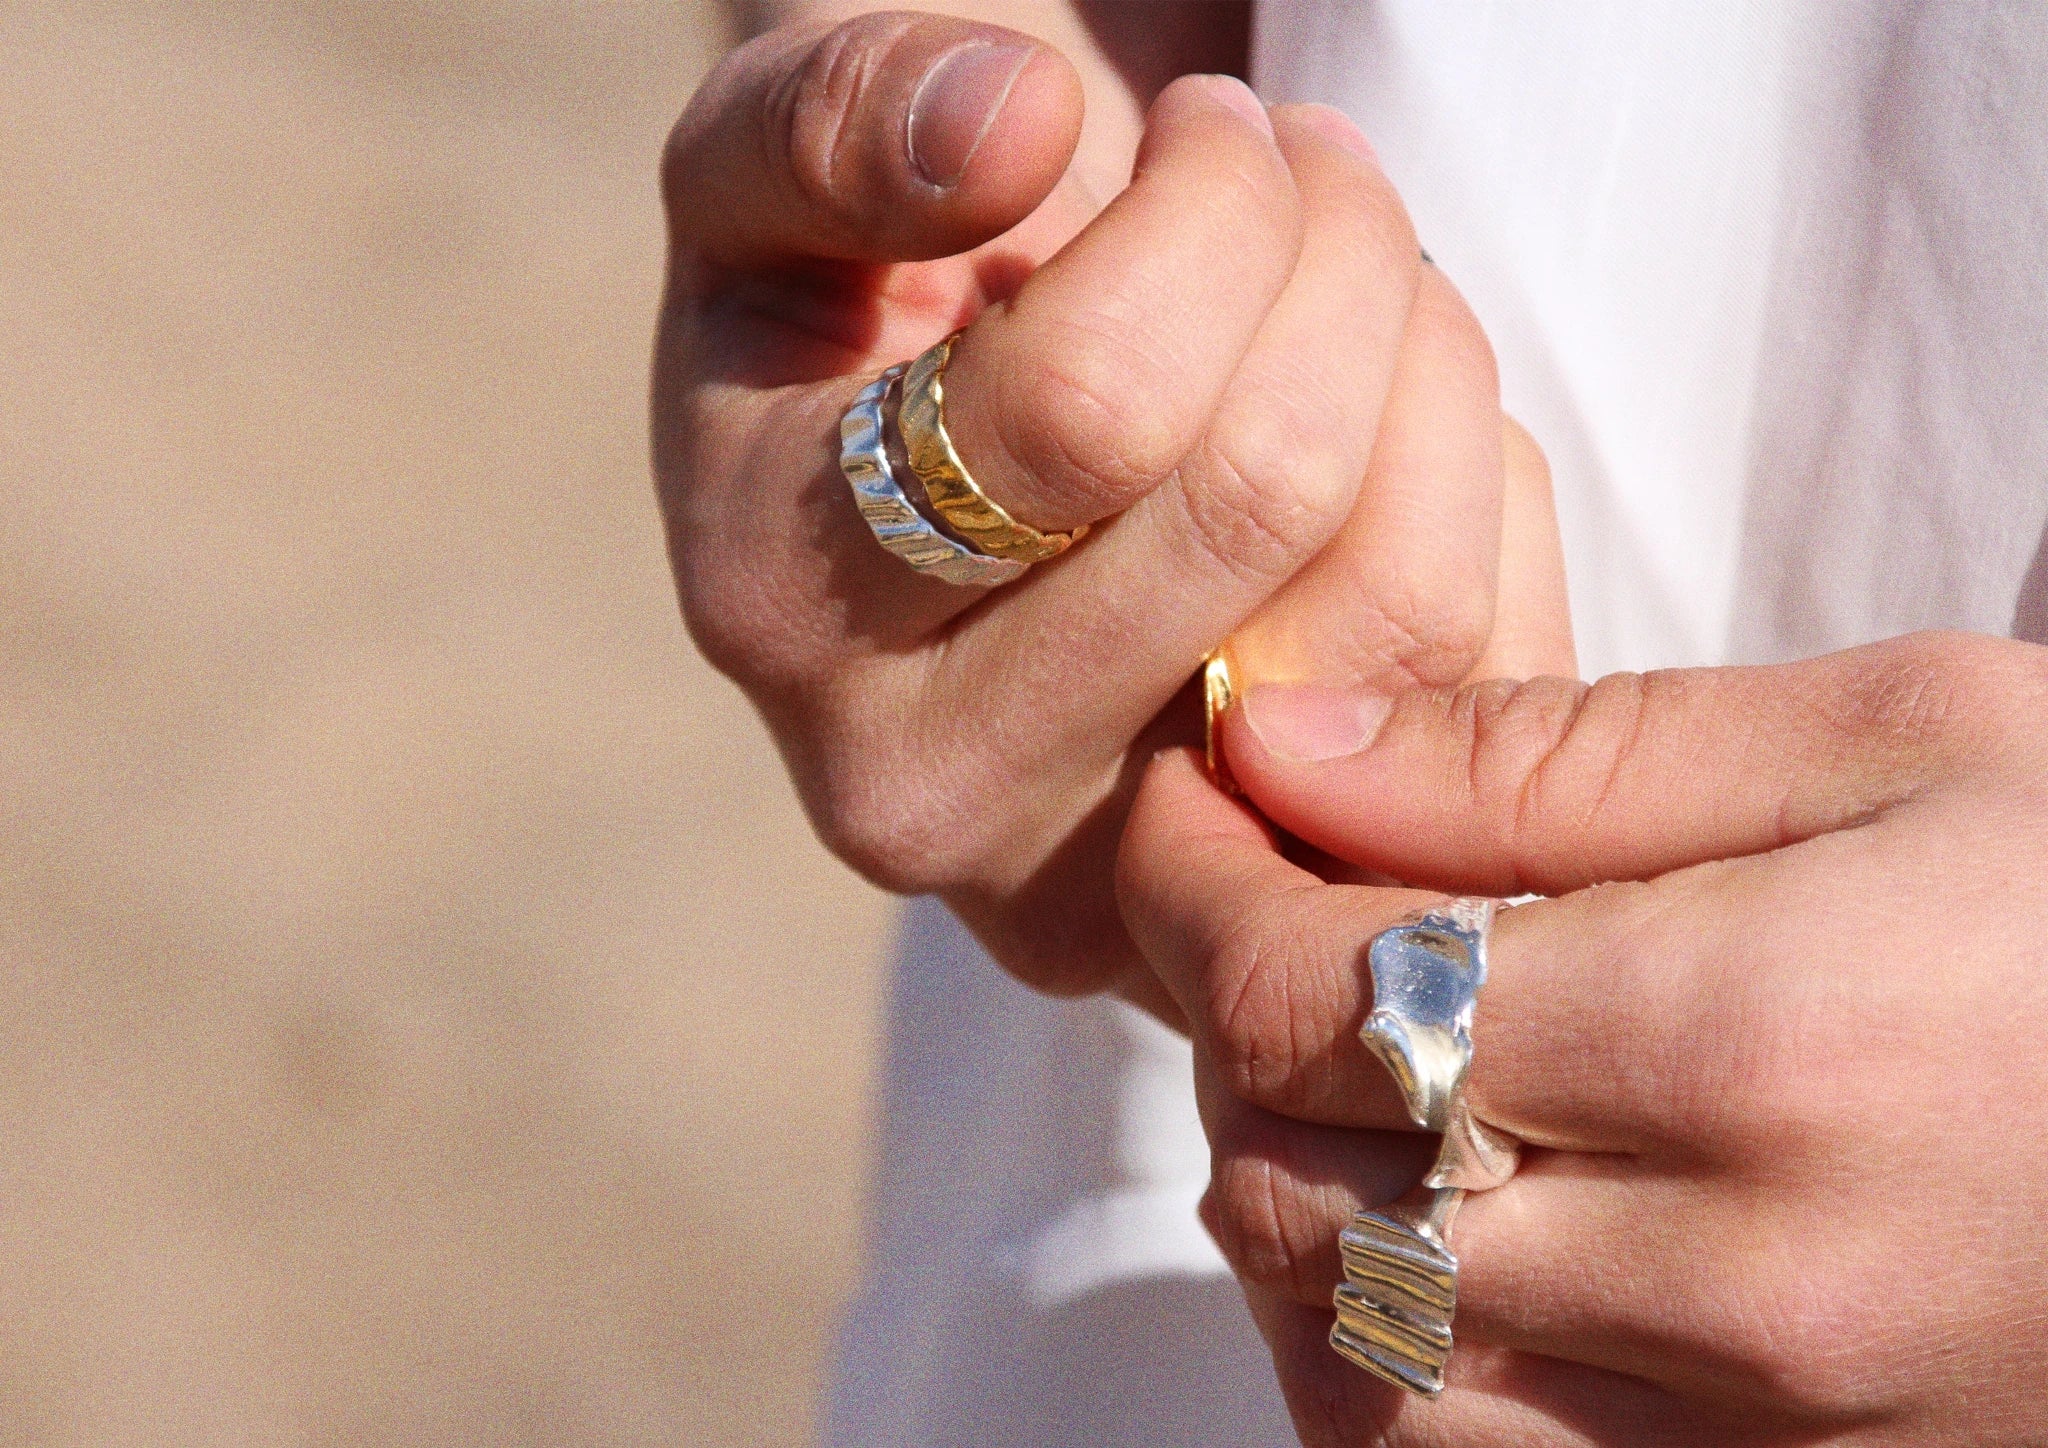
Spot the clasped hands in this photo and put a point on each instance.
(1780, 1082)
(1775, 1039)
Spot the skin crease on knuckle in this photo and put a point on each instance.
(1272, 1236)
(1239, 1210)
(815, 108)
(1078, 418)
(881, 798)
(1942, 699)
(1249, 1001)
(1532, 753)
(1251, 501)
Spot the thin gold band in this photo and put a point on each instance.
(1219, 692)
(955, 496)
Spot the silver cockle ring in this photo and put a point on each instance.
(1400, 1285)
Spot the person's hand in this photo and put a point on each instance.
(1294, 427)
(1787, 1093)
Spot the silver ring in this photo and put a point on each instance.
(890, 515)
(1400, 1286)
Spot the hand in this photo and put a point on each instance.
(1293, 425)
(1786, 1093)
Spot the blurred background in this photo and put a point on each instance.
(424, 1015)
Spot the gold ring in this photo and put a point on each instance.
(1219, 690)
(955, 496)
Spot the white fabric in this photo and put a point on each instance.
(1768, 283)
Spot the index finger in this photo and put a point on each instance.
(1593, 1003)
(1265, 959)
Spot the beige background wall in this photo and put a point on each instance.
(424, 1017)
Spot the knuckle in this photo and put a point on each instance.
(1939, 693)
(1543, 753)
(892, 833)
(1906, 694)
(734, 623)
(688, 139)
(1431, 631)
(675, 162)
(744, 619)
(1054, 970)
(1085, 423)
(1458, 343)
(1249, 1010)
(1384, 233)
(1255, 1211)
(1253, 500)
(864, 823)
(1356, 217)
(702, 139)
(1527, 464)
(814, 112)
(899, 820)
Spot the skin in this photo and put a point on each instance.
(1775, 1041)
(1318, 472)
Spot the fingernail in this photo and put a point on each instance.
(1228, 90)
(1308, 723)
(956, 102)
(1333, 125)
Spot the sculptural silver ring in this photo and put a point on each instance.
(1400, 1286)
(887, 509)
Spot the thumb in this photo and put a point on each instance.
(1551, 786)
(892, 137)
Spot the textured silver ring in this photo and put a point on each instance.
(1400, 1287)
(890, 515)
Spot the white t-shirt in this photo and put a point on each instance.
(1769, 282)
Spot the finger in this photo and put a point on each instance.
(1589, 1260)
(1022, 689)
(892, 137)
(1280, 1190)
(1494, 1397)
(1150, 594)
(1087, 389)
(1548, 786)
(1694, 1284)
(1532, 618)
(1266, 961)
(1406, 590)
(1612, 1021)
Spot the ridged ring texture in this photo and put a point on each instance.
(954, 494)
(887, 509)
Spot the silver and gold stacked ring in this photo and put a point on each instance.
(1400, 1286)
(894, 520)
(979, 542)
